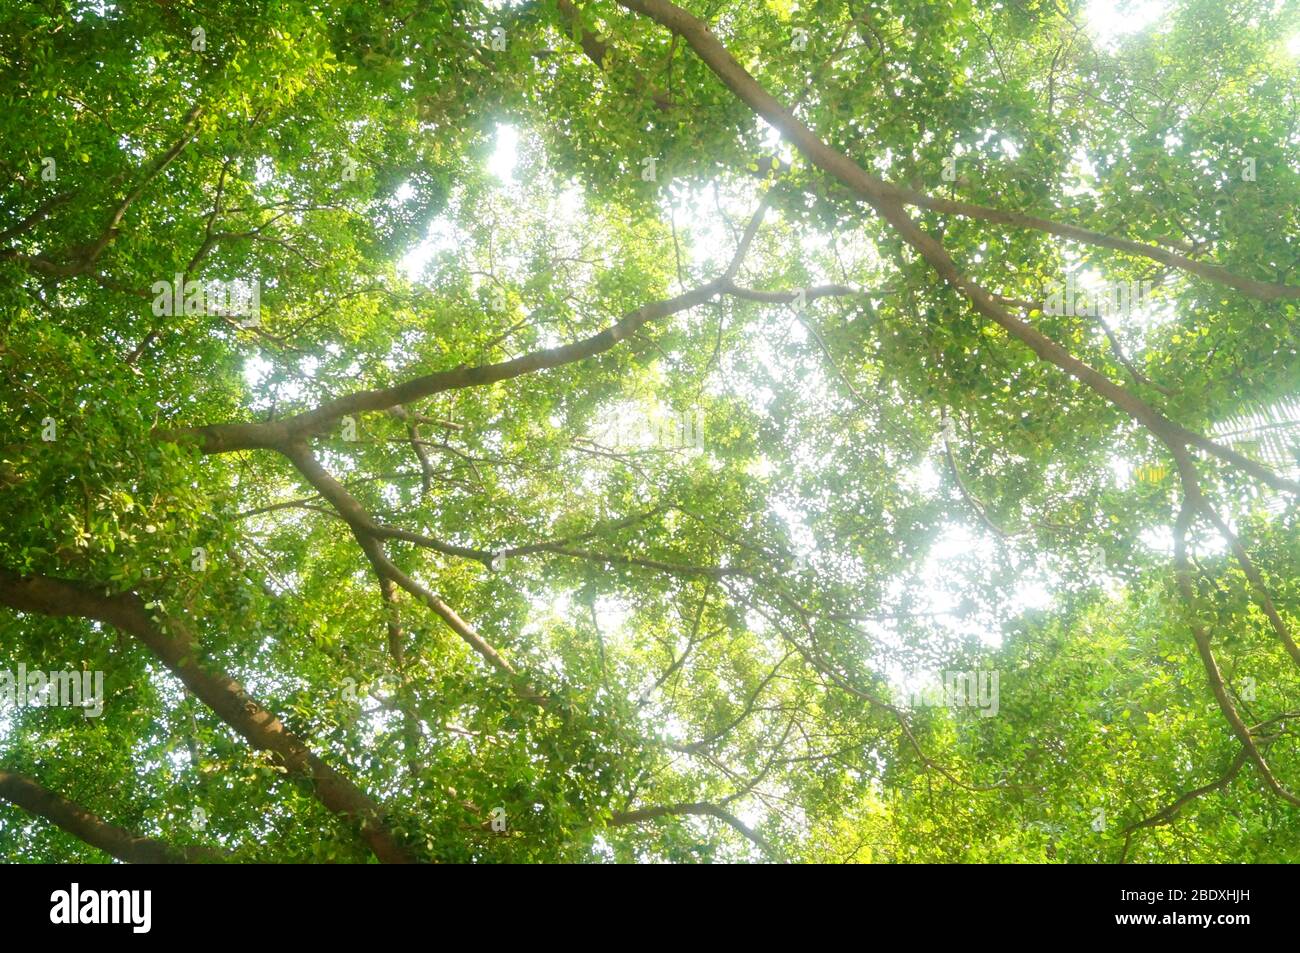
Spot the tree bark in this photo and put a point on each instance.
(178, 650)
(35, 799)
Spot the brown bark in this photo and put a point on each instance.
(178, 650)
(35, 799)
(275, 435)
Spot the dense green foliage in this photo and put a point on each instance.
(842, 495)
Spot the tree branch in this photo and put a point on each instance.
(34, 798)
(177, 648)
(697, 808)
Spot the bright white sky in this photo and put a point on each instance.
(1109, 20)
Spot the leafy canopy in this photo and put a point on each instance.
(604, 466)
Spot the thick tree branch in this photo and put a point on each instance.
(35, 799)
(272, 435)
(1167, 814)
(276, 435)
(177, 648)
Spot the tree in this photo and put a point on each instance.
(845, 431)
